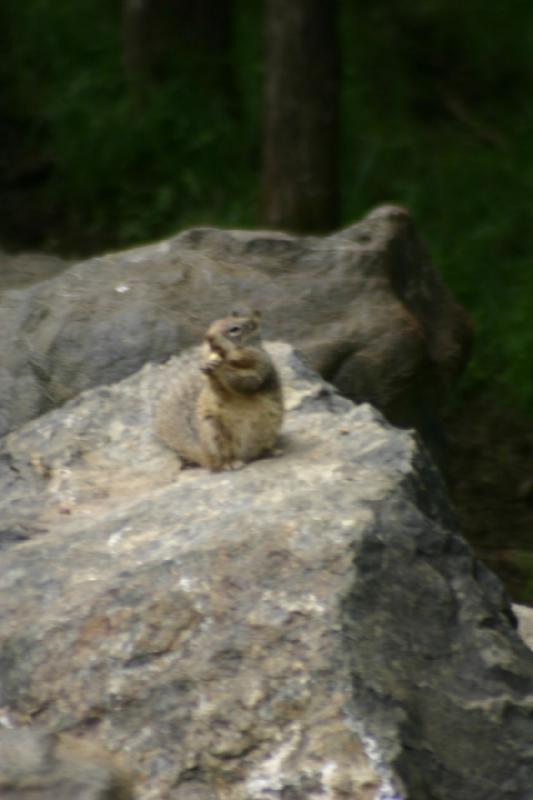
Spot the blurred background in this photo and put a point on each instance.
(123, 122)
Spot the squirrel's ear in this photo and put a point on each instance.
(236, 313)
(256, 314)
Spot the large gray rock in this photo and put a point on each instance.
(524, 616)
(312, 626)
(25, 269)
(35, 765)
(364, 307)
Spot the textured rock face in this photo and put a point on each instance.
(311, 626)
(524, 616)
(24, 269)
(364, 307)
(35, 765)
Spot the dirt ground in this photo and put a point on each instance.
(490, 475)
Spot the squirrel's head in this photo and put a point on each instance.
(240, 328)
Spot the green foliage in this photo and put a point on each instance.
(435, 116)
(129, 163)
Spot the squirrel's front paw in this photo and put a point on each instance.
(213, 361)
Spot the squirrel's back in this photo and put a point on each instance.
(175, 416)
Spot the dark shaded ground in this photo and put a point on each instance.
(490, 472)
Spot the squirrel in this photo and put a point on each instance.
(228, 411)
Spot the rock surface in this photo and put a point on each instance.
(364, 307)
(524, 616)
(311, 626)
(35, 765)
(25, 269)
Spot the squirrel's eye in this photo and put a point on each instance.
(234, 330)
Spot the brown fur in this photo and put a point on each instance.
(229, 411)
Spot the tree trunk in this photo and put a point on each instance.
(138, 20)
(299, 180)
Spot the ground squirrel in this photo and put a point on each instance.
(228, 410)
